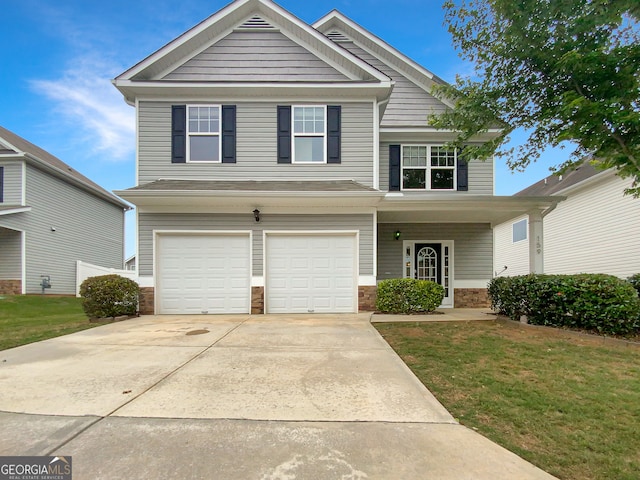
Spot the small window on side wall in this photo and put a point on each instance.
(519, 230)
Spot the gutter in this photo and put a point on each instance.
(78, 182)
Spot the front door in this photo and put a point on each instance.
(431, 260)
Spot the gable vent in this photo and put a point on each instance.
(337, 36)
(256, 22)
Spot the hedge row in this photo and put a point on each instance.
(406, 295)
(595, 302)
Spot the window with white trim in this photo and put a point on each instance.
(203, 133)
(309, 133)
(428, 167)
(519, 230)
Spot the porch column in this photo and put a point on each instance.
(536, 247)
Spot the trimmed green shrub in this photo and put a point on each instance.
(634, 280)
(407, 295)
(109, 296)
(596, 302)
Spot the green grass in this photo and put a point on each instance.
(30, 318)
(568, 404)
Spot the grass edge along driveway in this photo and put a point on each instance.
(569, 405)
(31, 318)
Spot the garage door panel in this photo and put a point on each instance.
(311, 273)
(203, 273)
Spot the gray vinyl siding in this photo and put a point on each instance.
(256, 159)
(86, 228)
(12, 184)
(148, 222)
(256, 56)
(480, 172)
(10, 254)
(472, 251)
(409, 104)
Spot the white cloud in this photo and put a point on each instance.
(86, 99)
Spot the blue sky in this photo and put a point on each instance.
(59, 56)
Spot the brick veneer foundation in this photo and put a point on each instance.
(146, 300)
(257, 300)
(471, 298)
(10, 287)
(367, 298)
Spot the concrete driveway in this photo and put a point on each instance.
(236, 397)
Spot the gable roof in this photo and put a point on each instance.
(340, 28)
(557, 184)
(14, 145)
(248, 15)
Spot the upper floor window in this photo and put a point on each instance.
(428, 167)
(203, 130)
(309, 134)
(519, 231)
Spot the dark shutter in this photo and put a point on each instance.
(284, 134)
(394, 168)
(1, 184)
(462, 173)
(333, 133)
(228, 134)
(178, 134)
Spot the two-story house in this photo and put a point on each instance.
(51, 216)
(286, 167)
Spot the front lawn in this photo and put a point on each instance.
(570, 405)
(30, 318)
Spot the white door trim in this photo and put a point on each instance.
(409, 267)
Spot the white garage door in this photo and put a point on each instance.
(203, 274)
(311, 273)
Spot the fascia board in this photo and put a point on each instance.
(400, 202)
(229, 15)
(600, 176)
(182, 39)
(417, 134)
(337, 20)
(75, 181)
(15, 210)
(132, 89)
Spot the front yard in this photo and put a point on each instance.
(30, 318)
(570, 405)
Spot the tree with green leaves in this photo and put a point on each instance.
(567, 71)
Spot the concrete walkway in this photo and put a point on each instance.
(236, 397)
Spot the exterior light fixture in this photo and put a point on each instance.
(256, 215)
(396, 235)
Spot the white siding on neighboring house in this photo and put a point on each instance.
(65, 224)
(11, 254)
(596, 230)
(12, 182)
(515, 256)
(256, 158)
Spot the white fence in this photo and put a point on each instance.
(85, 270)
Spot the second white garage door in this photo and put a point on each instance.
(203, 273)
(312, 273)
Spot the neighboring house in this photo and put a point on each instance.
(130, 263)
(595, 230)
(286, 167)
(50, 217)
